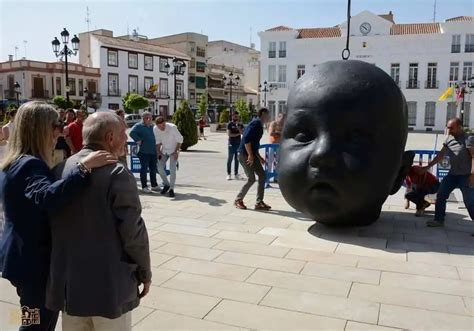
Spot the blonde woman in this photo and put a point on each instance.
(28, 191)
(7, 129)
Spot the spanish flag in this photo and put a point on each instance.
(448, 93)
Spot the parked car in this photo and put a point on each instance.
(132, 119)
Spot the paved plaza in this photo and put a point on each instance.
(217, 267)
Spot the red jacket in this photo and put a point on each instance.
(424, 180)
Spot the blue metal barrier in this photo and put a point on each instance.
(134, 160)
(423, 157)
(271, 162)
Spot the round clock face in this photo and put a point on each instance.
(365, 28)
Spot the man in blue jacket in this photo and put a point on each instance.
(142, 134)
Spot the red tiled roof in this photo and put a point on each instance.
(280, 28)
(417, 28)
(319, 33)
(461, 19)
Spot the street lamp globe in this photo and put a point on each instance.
(56, 45)
(65, 36)
(17, 87)
(75, 43)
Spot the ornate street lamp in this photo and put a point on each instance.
(17, 92)
(179, 68)
(231, 82)
(265, 89)
(464, 88)
(65, 51)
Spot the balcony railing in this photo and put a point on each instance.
(456, 48)
(413, 83)
(469, 48)
(114, 93)
(280, 84)
(163, 95)
(272, 54)
(281, 53)
(431, 84)
(40, 94)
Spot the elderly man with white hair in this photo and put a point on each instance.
(100, 251)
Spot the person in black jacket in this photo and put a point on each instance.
(29, 192)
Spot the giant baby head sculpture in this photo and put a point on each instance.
(342, 146)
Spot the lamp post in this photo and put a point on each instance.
(86, 91)
(231, 82)
(65, 51)
(17, 92)
(265, 88)
(178, 69)
(465, 87)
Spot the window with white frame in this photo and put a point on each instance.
(395, 72)
(430, 113)
(112, 58)
(451, 111)
(133, 60)
(113, 84)
(272, 109)
(163, 87)
(413, 76)
(272, 73)
(431, 78)
(300, 70)
(148, 83)
(453, 71)
(282, 73)
(163, 63)
(281, 107)
(282, 49)
(272, 49)
(456, 43)
(411, 113)
(469, 46)
(132, 84)
(467, 113)
(148, 62)
(467, 71)
(179, 89)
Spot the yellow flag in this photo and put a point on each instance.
(448, 93)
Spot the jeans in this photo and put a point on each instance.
(449, 183)
(147, 163)
(233, 155)
(250, 171)
(417, 195)
(162, 171)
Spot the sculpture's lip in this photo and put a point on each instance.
(323, 187)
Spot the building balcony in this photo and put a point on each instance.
(114, 93)
(456, 48)
(163, 95)
(469, 48)
(281, 53)
(280, 84)
(272, 54)
(431, 84)
(413, 84)
(40, 94)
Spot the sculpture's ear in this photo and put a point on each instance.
(407, 161)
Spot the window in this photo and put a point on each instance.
(58, 85)
(467, 113)
(192, 64)
(413, 76)
(456, 43)
(114, 85)
(282, 50)
(430, 113)
(148, 84)
(272, 49)
(300, 70)
(200, 67)
(201, 52)
(114, 106)
(192, 95)
(148, 62)
(395, 72)
(451, 111)
(92, 86)
(469, 46)
(72, 86)
(163, 63)
(81, 87)
(281, 107)
(132, 84)
(112, 58)
(201, 82)
(272, 73)
(282, 74)
(411, 113)
(133, 60)
(192, 79)
(179, 89)
(454, 71)
(431, 79)
(163, 87)
(467, 71)
(272, 109)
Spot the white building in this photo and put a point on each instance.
(129, 64)
(423, 58)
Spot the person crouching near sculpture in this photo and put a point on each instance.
(419, 184)
(100, 252)
(29, 192)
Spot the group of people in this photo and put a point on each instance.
(93, 263)
(157, 143)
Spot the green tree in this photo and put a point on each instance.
(134, 102)
(61, 102)
(184, 120)
(124, 101)
(203, 107)
(224, 116)
(243, 109)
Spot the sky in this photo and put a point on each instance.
(239, 21)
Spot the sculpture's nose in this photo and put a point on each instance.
(324, 153)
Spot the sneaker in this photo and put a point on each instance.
(155, 188)
(419, 212)
(165, 189)
(146, 190)
(239, 203)
(237, 177)
(262, 206)
(171, 193)
(426, 204)
(434, 223)
(407, 204)
(228, 177)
